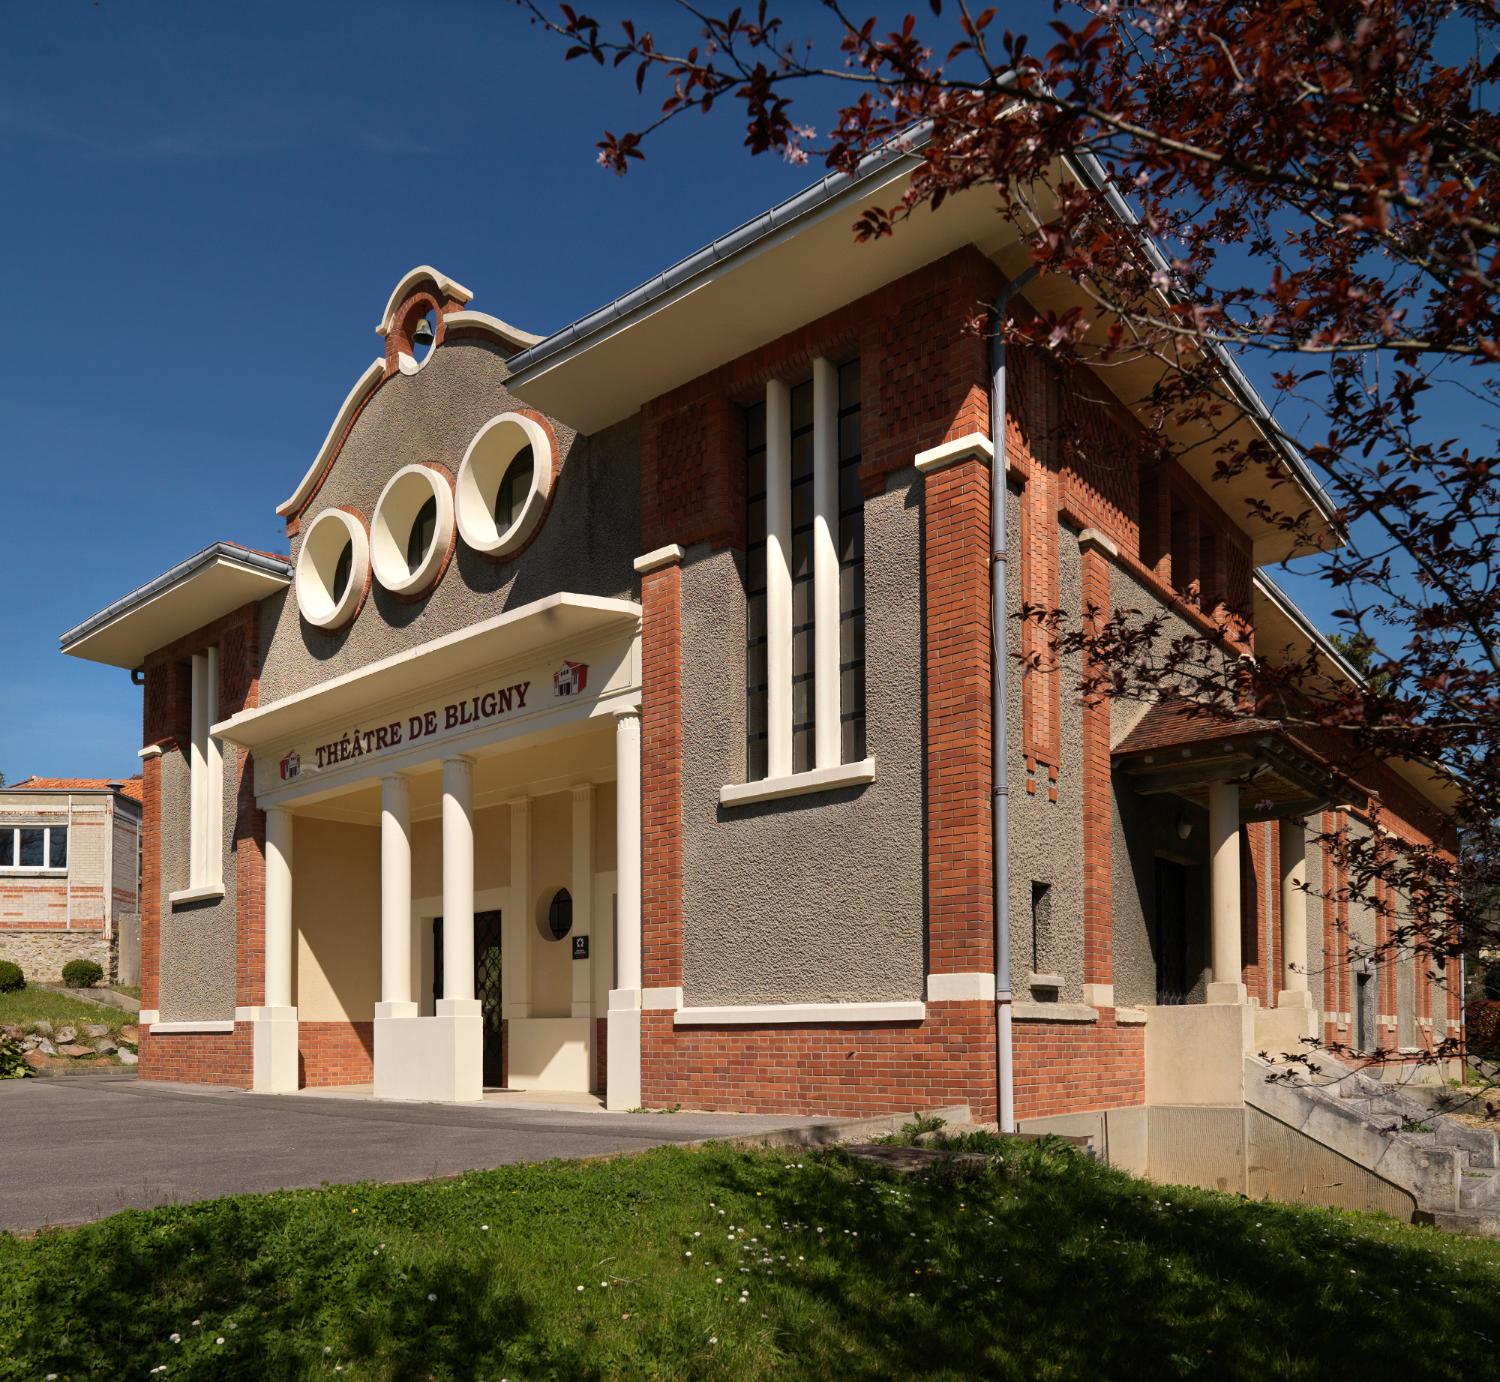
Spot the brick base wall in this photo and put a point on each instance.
(198, 1057)
(43, 953)
(601, 1055)
(1077, 1067)
(842, 1069)
(335, 1053)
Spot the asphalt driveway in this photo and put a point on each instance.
(76, 1149)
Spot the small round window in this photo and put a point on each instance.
(560, 914)
(413, 527)
(332, 568)
(504, 483)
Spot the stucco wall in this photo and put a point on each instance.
(586, 543)
(336, 912)
(197, 939)
(817, 898)
(1046, 837)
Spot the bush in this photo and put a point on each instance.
(12, 1061)
(81, 974)
(12, 980)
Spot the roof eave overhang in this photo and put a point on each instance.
(503, 638)
(208, 585)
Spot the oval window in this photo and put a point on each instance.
(504, 483)
(560, 914)
(332, 568)
(412, 531)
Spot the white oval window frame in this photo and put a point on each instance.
(494, 447)
(404, 494)
(317, 562)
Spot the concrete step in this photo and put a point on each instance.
(1478, 1189)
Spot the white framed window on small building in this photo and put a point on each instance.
(34, 848)
(205, 785)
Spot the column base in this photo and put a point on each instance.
(273, 1046)
(431, 1059)
(624, 1050)
(1227, 992)
(1294, 998)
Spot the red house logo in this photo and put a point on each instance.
(570, 679)
(291, 765)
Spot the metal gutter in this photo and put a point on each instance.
(229, 551)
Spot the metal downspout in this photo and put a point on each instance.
(999, 723)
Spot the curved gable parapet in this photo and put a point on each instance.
(348, 410)
(424, 273)
(483, 324)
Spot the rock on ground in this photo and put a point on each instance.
(67, 1034)
(95, 1029)
(36, 1060)
(127, 1057)
(72, 1048)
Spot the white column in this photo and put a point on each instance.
(274, 1025)
(581, 886)
(1224, 892)
(395, 899)
(213, 777)
(198, 776)
(624, 1058)
(278, 908)
(778, 579)
(828, 748)
(1294, 991)
(458, 878)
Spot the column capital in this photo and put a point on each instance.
(395, 780)
(467, 759)
(628, 712)
(582, 789)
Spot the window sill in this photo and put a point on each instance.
(22, 871)
(798, 784)
(211, 892)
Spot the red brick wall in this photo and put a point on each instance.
(198, 1057)
(661, 777)
(843, 1069)
(335, 1053)
(960, 883)
(1098, 797)
(1074, 1067)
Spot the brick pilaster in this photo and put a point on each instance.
(661, 777)
(1098, 793)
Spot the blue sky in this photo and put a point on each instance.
(206, 208)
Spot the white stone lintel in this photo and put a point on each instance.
(1130, 1017)
(973, 445)
(186, 1028)
(1093, 539)
(670, 555)
(799, 784)
(798, 1014)
(211, 892)
(976, 986)
(1053, 1012)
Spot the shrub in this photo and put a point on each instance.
(12, 980)
(81, 974)
(12, 1061)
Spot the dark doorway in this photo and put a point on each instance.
(1169, 934)
(486, 985)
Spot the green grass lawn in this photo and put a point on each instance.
(31, 1004)
(735, 1264)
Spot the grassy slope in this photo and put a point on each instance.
(30, 1004)
(1049, 1267)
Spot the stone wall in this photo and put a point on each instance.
(42, 954)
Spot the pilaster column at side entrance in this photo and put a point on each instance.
(395, 899)
(624, 1021)
(1224, 892)
(1293, 851)
(274, 1028)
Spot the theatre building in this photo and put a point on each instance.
(622, 718)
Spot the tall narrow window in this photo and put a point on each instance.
(823, 503)
(205, 784)
(1041, 922)
(851, 569)
(804, 688)
(755, 592)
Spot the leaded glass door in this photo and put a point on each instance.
(486, 985)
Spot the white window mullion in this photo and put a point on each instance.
(213, 756)
(778, 579)
(828, 750)
(198, 774)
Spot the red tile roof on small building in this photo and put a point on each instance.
(129, 786)
(1172, 724)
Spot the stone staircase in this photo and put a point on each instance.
(1451, 1170)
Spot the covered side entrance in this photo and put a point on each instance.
(452, 896)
